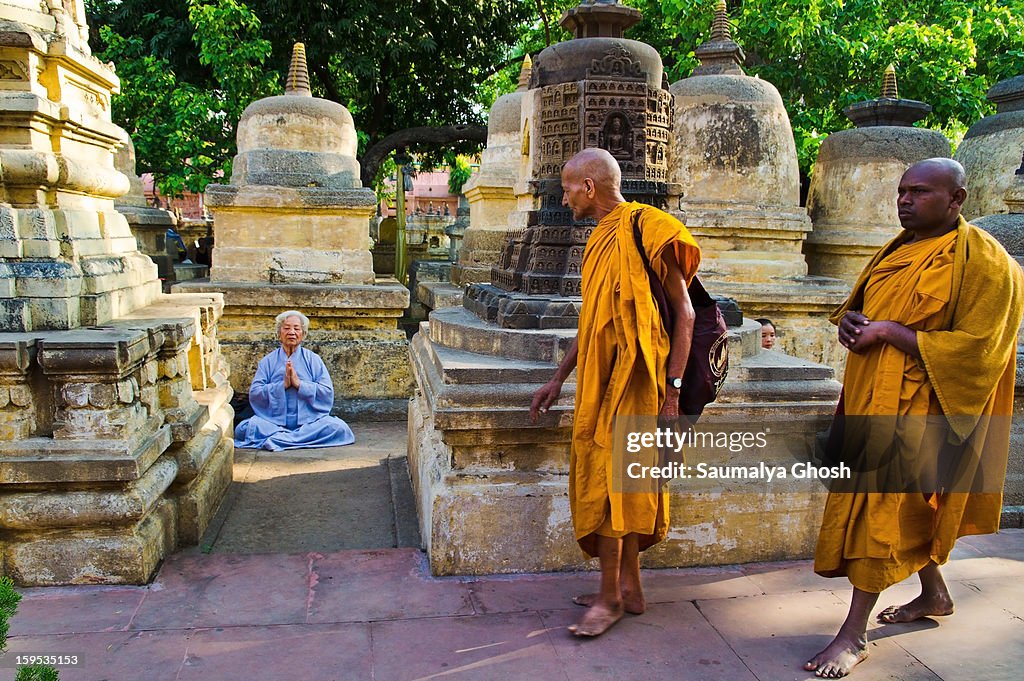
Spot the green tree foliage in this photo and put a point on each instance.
(459, 172)
(8, 606)
(189, 69)
(37, 672)
(824, 55)
(186, 76)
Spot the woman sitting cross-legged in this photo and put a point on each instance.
(291, 396)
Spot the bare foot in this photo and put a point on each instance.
(597, 620)
(930, 605)
(837, 659)
(632, 603)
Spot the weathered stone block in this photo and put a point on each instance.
(125, 555)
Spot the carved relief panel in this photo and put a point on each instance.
(613, 108)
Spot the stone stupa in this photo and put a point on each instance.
(1008, 228)
(735, 183)
(852, 198)
(475, 457)
(115, 423)
(989, 150)
(292, 232)
(491, 190)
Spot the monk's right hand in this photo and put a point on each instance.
(850, 328)
(544, 398)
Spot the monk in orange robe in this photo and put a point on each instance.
(626, 364)
(932, 327)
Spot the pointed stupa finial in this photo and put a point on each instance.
(599, 19)
(720, 28)
(720, 54)
(889, 89)
(888, 109)
(524, 74)
(298, 75)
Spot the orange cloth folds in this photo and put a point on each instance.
(620, 370)
(964, 296)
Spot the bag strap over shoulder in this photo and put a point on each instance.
(699, 296)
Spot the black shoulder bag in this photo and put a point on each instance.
(708, 363)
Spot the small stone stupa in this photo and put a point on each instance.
(852, 198)
(989, 150)
(292, 232)
(491, 190)
(115, 422)
(734, 180)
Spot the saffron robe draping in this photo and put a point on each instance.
(962, 294)
(621, 368)
(292, 418)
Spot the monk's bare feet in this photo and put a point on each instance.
(925, 605)
(632, 603)
(838, 658)
(597, 620)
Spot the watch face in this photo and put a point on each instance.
(676, 383)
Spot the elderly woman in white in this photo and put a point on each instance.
(292, 396)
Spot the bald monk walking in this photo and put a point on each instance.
(626, 363)
(931, 326)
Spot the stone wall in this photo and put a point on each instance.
(115, 443)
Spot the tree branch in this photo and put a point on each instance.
(424, 135)
(547, 25)
(323, 74)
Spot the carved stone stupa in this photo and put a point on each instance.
(598, 90)
(115, 423)
(475, 457)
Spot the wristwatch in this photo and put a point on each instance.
(676, 383)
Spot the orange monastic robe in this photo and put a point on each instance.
(621, 368)
(964, 296)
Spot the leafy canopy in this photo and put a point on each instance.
(186, 77)
(824, 55)
(189, 69)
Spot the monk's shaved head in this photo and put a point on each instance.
(930, 195)
(598, 165)
(943, 169)
(590, 184)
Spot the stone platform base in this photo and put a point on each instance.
(115, 444)
(354, 329)
(434, 295)
(492, 487)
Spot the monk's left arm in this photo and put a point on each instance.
(682, 330)
(899, 336)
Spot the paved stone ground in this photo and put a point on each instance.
(320, 615)
(329, 499)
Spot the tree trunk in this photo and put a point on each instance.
(425, 135)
